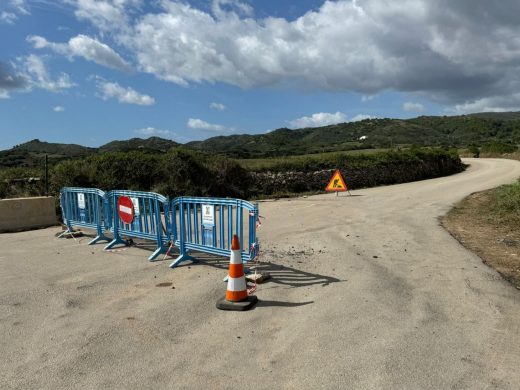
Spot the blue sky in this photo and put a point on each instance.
(92, 71)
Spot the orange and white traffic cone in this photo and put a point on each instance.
(236, 294)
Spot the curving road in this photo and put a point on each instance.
(368, 292)
(424, 314)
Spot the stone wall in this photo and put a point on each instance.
(268, 183)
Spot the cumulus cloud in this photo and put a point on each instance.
(20, 6)
(225, 8)
(11, 81)
(413, 107)
(58, 109)
(217, 106)
(31, 72)
(39, 76)
(127, 95)
(361, 117)
(107, 14)
(12, 9)
(318, 119)
(489, 104)
(432, 47)
(152, 131)
(199, 124)
(7, 17)
(86, 47)
(325, 119)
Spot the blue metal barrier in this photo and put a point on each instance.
(208, 224)
(84, 207)
(148, 210)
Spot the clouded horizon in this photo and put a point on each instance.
(90, 71)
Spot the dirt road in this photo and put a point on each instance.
(368, 292)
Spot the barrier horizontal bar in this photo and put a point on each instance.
(84, 207)
(146, 213)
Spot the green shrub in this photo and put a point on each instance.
(496, 147)
(474, 150)
(505, 204)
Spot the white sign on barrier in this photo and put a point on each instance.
(81, 201)
(208, 215)
(135, 202)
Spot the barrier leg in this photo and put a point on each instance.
(160, 249)
(101, 237)
(69, 229)
(63, 233)
(114, 242)
(182, 257)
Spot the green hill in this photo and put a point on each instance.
(65, 150)
(455, 131)
(458, 131)
(152, 143)
(510, 115)
(32, 153)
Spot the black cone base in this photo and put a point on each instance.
(246, 304)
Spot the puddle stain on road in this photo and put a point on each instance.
(164, 284)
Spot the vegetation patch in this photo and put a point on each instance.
(182, 171)
(297, 175)
(488, 223)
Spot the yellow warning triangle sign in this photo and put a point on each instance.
(336, 183)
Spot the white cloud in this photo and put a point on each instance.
(58, 109)
(13, 8)
(151, 131)
(20, 6)
(7, 17)
(413, 107)
(11, 80)
(39, 77)
(325, 119)
(361, 117)
(489, 104)
(224, 8)
(86, 47)
(107, 14)
(318, 119)
(199, 124)
(217, 106)
(429, 47)
(123, 95)
(367, 98)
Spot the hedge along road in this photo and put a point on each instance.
(368, 292)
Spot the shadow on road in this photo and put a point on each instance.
(280, 274)
(262, 303)
(288, 276)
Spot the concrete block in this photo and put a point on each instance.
(27, 213)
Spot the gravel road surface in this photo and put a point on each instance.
(367, 292)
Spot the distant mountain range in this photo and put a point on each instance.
(32, 153)
(457, 131)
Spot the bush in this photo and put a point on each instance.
(505, 204)
(474, 150)
(184, 171)
(178, 172)
(496, 147)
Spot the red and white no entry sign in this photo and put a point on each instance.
(125, 209)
